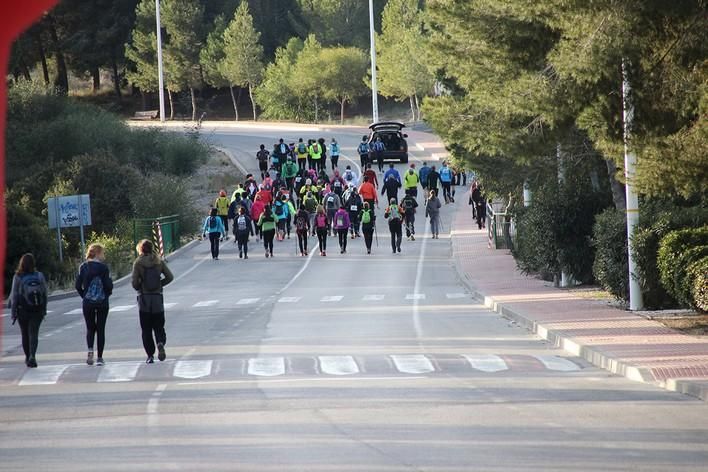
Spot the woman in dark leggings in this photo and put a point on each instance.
(267, 222)
(28, 303)
(321, 228)
(94, 285)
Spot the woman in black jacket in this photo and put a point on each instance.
(94, 285)
(28, 302)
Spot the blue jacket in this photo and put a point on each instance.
(286, 210)
(218, 229)
(334, 149)
(394, 173)
(445, 174)
(423, 175)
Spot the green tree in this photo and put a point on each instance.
(336, 22)
(183, 21)
(402, 70)
(141, 51)
(306, 79)
(242, 64)
(343, 73)
(211, 57)
(276, 94)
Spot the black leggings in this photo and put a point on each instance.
(322, 238)
(394, 227)
(95, 317)
(268, 240)
(214, 241)
(242, 239)
(446, 191)
(302, 240)
(152, 323)
(29, 326)
(343, 233)
(368, 236)
(335, 160)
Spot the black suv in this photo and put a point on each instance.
(394, 141)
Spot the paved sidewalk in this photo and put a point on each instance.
(611, 338)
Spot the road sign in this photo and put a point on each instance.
(64, 211)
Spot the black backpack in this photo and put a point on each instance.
(151, 279)
(212, 222)
(32, 296)
(279, 210)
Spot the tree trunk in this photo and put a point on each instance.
(316, 110)
(62, 79)
(417, 107)
(410, 99)
(143, 99)
(42, 57)
(233, 100)
(341, 111)
(253, 103)
(96, 76)
(618, 194)
(116, 78)
(172, 104)
(194, 104)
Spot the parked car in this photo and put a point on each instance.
(394, 140)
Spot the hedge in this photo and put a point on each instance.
(611, 265)
(677, 251)
(698, 274)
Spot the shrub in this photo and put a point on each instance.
(698, 277)
(677, 250)
(535, 250)
(164, 195)
(119, 252)
(611, 267)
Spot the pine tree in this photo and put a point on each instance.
(141, 51)
(242, 64)
(306, 79)
(276, 94)
(343, 74)
(211, 57)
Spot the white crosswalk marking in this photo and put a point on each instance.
(193, 369)
(455, 295)
(266, 366)
(170, 305)
(373, 298)
(122, 308)
(247, 301)
(77, 311)
(119, 372)
(289, 299)
(558, 363)
(413, 364)
(43, 375)
(338, 365)
(487, 362)
(332, 298)
(415, 296)
(205, 303)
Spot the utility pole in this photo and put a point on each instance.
(160, 78)
(630, 161)
(374, 93)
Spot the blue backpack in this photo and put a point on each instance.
(95, 294)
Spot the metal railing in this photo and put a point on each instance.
(163, 232)
(501, 229)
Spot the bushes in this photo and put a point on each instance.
(698, 273)
(677, 252)
(611, 268)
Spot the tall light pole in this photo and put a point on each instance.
(374, 93)
(161, 81)
(630, 162)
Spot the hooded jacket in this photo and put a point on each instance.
(145, 261)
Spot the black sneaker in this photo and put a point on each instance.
(99, 361)
(89, 358)
(32, 362)
(161, 352)
(150, 360)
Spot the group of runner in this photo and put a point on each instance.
(296, 194)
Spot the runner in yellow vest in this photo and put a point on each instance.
(316, 155)
(221, 204)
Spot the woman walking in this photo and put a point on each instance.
(243, 228)
(150, 274)
(94, 285)
(367, 225)
(341, 226)
(267, 222)
(334, 153)
(215, 228)
(28, 304)
(302, 228)
(432, 210)
(321, 228)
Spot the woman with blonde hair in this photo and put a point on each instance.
(94, 285)
(28, 302)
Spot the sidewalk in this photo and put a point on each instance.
(614, 339)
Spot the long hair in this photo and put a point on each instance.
(26, 264)
(145, 247)
(94, 250)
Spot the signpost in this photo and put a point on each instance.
(69, 212)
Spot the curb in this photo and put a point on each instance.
(694, 388)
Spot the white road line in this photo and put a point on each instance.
(266, 366)
(332, 298)
(373, 298)
(338, 365)
(455, 295)
(119, 372)
(205, 303)
(289, 299)
(307, 380)
(77, 311)
(415, 296)
(247, 301)
(557, 363)
(413, 364)
(153, 404)
(170, 305)
(299, 273)
(122, 308)
(487, 362)
(43, 375)
(192, 369)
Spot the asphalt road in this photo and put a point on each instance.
(344, 363)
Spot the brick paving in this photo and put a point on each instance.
(609, 337)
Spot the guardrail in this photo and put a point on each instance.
(501, 229)
(163, 232)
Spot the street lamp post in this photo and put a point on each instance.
(374, 93)
(160, 79)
